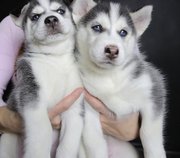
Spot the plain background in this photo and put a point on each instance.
(161, 44)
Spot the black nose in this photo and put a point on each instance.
(111, 51)
(51, 21)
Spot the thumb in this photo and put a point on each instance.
(99, 106)
(65, 103)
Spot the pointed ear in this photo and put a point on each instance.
(19, 20)
(142, 19)
(80, 8)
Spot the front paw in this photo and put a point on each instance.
(155, 155)
(65, 153)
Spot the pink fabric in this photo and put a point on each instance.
(11, 38)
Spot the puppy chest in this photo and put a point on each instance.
(52, 82)
(137, 92)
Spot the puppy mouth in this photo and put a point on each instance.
(108, 62)
(105, 62)
(54, 31)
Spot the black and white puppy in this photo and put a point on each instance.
(114, 70)
(45, 73)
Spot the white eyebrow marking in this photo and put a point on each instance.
(114, 12)
(38, 10)
(44, 3)
(54, 6)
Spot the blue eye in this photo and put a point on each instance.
(61, 11)
(123, 33)
(97, 28)
(35, 17)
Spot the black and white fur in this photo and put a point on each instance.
(114, 70)
(45, 74)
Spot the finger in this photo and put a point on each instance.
(55, 122)
(10, 121)
(126, 128)
(98, 105)
(110, 127)
(64, 104)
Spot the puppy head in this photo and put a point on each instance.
(108, 33)
(46, 21)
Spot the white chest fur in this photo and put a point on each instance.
(118, 90)
(56, 76)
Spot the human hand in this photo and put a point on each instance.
(62, 106)
(11, 121)
(126, 128)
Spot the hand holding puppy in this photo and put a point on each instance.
(11, 121)
(124, 129)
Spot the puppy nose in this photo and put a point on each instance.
(111, 51)
(51, 21)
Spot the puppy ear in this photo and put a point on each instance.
(80, 8)
(142, 19)
(19, 20)
(67, 2)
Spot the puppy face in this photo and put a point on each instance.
(108, 34)
(47, 21)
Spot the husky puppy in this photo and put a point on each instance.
(114, 70)
(46, 73)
